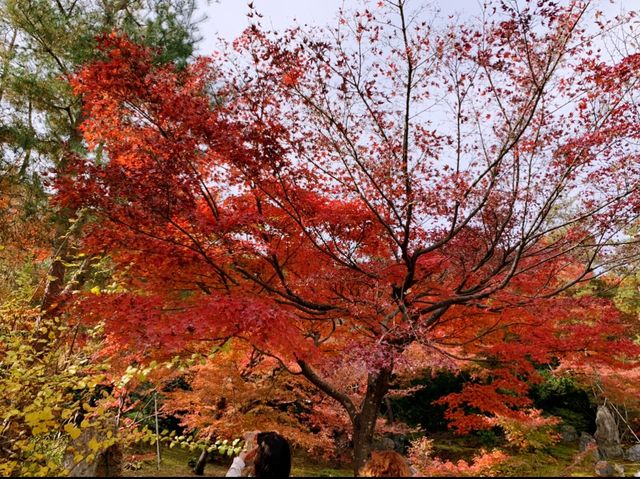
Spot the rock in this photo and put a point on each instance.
(603, 469)
(402, 442)
(391, 442)
(384, 444)
(568, 434)
(633, 453)
(606, 435)
(106, 463)
(586, 440)
(608, 469)
(109, 462)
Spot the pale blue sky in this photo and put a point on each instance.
(228, 17)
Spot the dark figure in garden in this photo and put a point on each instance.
(265, 454)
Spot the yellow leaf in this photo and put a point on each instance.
(72, 430)
(93, 445)
(13, 412)
(7, 468)
(36, 417)
(95, 290)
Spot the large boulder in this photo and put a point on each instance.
(99, 453)
(608, 469)
(633, 453)
(391, 442)
(586, 440)
(401, 442)
(606, 435)
(568, 434)
(384, 444)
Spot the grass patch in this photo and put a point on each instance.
(557, 461)
(553, 462)
(175, 464)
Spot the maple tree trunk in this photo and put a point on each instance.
(55, 282)
(364, 423)
(198, 470)
(202, 462)
(363, 419)
(362, 441)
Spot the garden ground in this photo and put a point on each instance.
(557, 461)
(175, 463)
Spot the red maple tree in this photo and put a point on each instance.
(380, 196)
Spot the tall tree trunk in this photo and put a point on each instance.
(363, 418)
(56, 275)
(202, 462)
(362, 441)
(364, 425)
(55, 278)
(198, 470)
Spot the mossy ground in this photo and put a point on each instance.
(556, 461)
(175, 461)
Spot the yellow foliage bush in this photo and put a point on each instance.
(48, 393)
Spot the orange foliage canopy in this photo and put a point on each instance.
(296, 196)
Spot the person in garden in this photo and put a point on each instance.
(265, 454)
(386, 464)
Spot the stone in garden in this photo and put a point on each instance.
(401, 442)
(603, 469)
(384, 444)
(633, 453)
(586, 440)
(568, 434)
(109, 462)
(608, 469)
(606, 435)
(106, 463)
